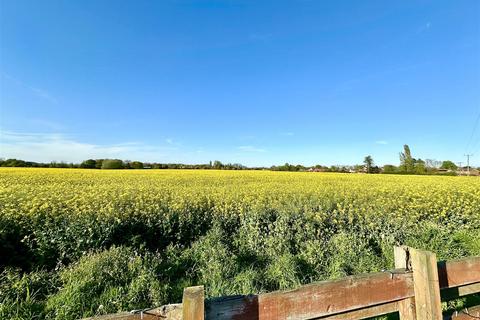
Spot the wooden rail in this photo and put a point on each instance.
(414, 289)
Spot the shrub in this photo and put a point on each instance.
(23, 295)
(112, 164)
(107, 282)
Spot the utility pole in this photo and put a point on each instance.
(460, 168)
(468, 162)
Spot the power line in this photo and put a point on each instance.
(475, 145)
(475, 125)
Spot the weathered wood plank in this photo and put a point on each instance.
(406, 309)
(401, 257)
(337, 296)
(318, 299)
(232, 307)
(465, 314)
(166, 312)
(426, 285)
(115, 316)
(193, 303)
(457, 292)
(369, 312)
(459, 272)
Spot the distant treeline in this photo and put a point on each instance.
(408, 165)
(321, 168)
(122, 164)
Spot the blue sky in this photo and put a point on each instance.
(255, 82)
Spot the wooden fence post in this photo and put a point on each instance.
(406, 307)
(426, 284)
(193, 303)
(402, 257)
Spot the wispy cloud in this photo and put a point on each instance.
(247, 137)
(45, 147)
(250, 149)
(47, 124)
(382, 142)
(41, 93)
(424, 27)
(173, 142)
(287, 134)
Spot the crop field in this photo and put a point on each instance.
(77, 243)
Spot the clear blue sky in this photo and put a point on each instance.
(255, 82)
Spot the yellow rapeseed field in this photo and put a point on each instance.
(236, 232)
(323, 195)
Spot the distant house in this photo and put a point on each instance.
(463, 171)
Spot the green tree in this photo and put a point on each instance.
(420, 167)
(368, 161)
(217, 164)
(98, 163)
(136, 165)
(14, 163)
(112, 164)
(88, 164)
(388, 168)
(449, 165)
(406, 160)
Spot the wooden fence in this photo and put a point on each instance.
(414, 289)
